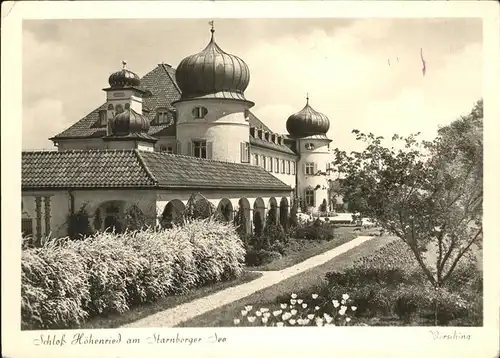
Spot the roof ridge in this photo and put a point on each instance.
(173, 80)
(144, 166)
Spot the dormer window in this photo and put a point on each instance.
(280, 140)
(273, 138)
(252, 131)
(199, 112)
(103, 118)
(260, 133)
(162, 116)
(309, 146)
(267, 136)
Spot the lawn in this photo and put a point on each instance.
(309, 280)
(139, 312)
(300, 250)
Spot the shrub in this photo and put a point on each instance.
(65, 281)
(79, 224)
(261, 257)
(53, 286)
(318, 230)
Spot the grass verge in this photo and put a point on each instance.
(139, 312)
(269, 297)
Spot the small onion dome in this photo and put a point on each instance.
(129, 121)
(307, 122)
(212, 73)
(124, 78)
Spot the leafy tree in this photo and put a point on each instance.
(257, 224)
(293, 214)
(271, 214)
(240, 221)
(135, 219)
(429, 194)
(79, 224)
(324, 206)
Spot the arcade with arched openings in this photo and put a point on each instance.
(225, 210)
(110, 216)
(173, 213)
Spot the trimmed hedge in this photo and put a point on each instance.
(65, 282)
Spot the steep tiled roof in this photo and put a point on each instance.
(82, 169)
(133, 169)
(257, 123)
(270, 145)
(160, 81)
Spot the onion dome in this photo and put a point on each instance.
(128, 122)
(212, 73)
(124, 78)
(307, 122)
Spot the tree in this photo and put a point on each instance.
(257, 224)
(240, 221)
(293, 214)
(79, 224)
(135, 219)
(323, 207)
(428, 194)
(271, 215)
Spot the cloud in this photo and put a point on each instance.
(41, 121)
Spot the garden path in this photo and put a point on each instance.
(173, 316)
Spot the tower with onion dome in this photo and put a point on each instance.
(212, 113)
(308, 128)
(127, 127)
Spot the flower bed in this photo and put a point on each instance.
(65, 282)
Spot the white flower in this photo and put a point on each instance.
(341, 312)
(277, 313)
(335, 303)
(316, 308)
(258, 313)
(319, 322)
(347, 319)
(293, 312)
(299, 301)
(328, 318)
(263, 309)
(310, 316)
(345, 296)
(266, 314)
(264, 319)
(300, 321)
(304, 305)
(314, 296)
(306, 321)
(286, 316)
(236, 321)
(251, 319)
(293, 295)
(343, 302)
(283, 306)
(248, 308)
(343, 308)
(292, 321)
(244, 312)
(354, 308)
(292, 301)
(280, 324)
(437, 228)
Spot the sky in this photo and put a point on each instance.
(364, 74)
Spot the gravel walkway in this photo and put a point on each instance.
(183, 312)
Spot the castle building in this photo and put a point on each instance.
(158, 139)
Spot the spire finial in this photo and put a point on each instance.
(307, 98)
(212, 30)
(124, 64)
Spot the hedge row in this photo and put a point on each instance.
(65, 282)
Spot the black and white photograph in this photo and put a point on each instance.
(228, 172)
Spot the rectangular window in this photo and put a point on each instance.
(276, 165)
(309, 168)
(103, 118)
(27, 227)
(263, 161)
(288, 167)
(309, 197)
(255, 159)
(245, 152)
(293, 168)
(170, 150)
(282, 166)
(163, 117)
(200, 149)
(271, 164)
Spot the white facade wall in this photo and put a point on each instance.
(287, 178)
(321, 157)
(80, 144)
(224, 127)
